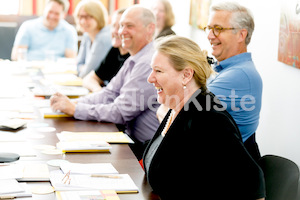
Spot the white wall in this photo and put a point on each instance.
(279, 129)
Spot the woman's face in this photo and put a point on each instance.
(167, 81)
(160, 14)
(87, 22)
(116, 40)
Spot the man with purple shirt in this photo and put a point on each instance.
(128, 99)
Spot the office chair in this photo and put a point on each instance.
(281, 178)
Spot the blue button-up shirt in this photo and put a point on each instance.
(128, 99)
(239, 87)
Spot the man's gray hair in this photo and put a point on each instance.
(242, 17)
(147, 15)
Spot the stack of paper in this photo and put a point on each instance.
(110, 137)
(70, 91)
(12, 123)
(49, 113)
(87, 195)
(10, 188)
(90, 168)
(84, 146)
(28, 172)
(122, 183)
(64, 79)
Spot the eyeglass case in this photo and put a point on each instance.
(8, 157)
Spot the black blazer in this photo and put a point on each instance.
(202, 156)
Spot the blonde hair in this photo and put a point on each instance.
(95, 9)
(170, 18)
(185, 53)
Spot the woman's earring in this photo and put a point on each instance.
(184, 87)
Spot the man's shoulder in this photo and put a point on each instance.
(64, 25)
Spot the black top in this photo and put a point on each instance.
(202, 156)
(165, 32)
(111, 64)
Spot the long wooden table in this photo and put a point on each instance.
(121, 156)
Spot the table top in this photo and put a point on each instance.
(121, 156)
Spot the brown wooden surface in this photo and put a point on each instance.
(120, 155)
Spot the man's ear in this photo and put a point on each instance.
(151, 28)
(242, 35)
(188, 74)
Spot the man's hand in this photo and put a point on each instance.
(62, 103)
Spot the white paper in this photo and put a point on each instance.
(9, 186)
(83, 145)
(80, 195)
(86, 182)
(93, 168)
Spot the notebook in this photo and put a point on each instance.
(49, 113)
(84, 146)
(110, 137)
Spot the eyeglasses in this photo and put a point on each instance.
(216, 30)
(85, 17)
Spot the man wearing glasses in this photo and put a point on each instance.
(238, 84)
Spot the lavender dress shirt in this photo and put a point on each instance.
(128, 99)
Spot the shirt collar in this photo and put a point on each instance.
(232, 61)
(148, 48)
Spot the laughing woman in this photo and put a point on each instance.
(197, 152)
(91, 18)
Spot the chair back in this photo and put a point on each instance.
(281, 177)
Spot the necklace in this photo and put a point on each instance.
(168, 124)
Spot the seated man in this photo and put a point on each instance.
(49, 35)
(237, 84)
(128, 99)
(113, 61)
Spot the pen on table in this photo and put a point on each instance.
(105, 176)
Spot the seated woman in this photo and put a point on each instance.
(91, 17)
(165, 18)
(197, 151)
(113, 61)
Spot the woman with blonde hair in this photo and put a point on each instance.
(165, 18)
(197, 151)
(91, 18)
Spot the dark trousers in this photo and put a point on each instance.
(252, 147)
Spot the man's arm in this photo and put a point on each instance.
(69, 53)
(21, 41)
(17, 51)
(92, 82)
(133, 96)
